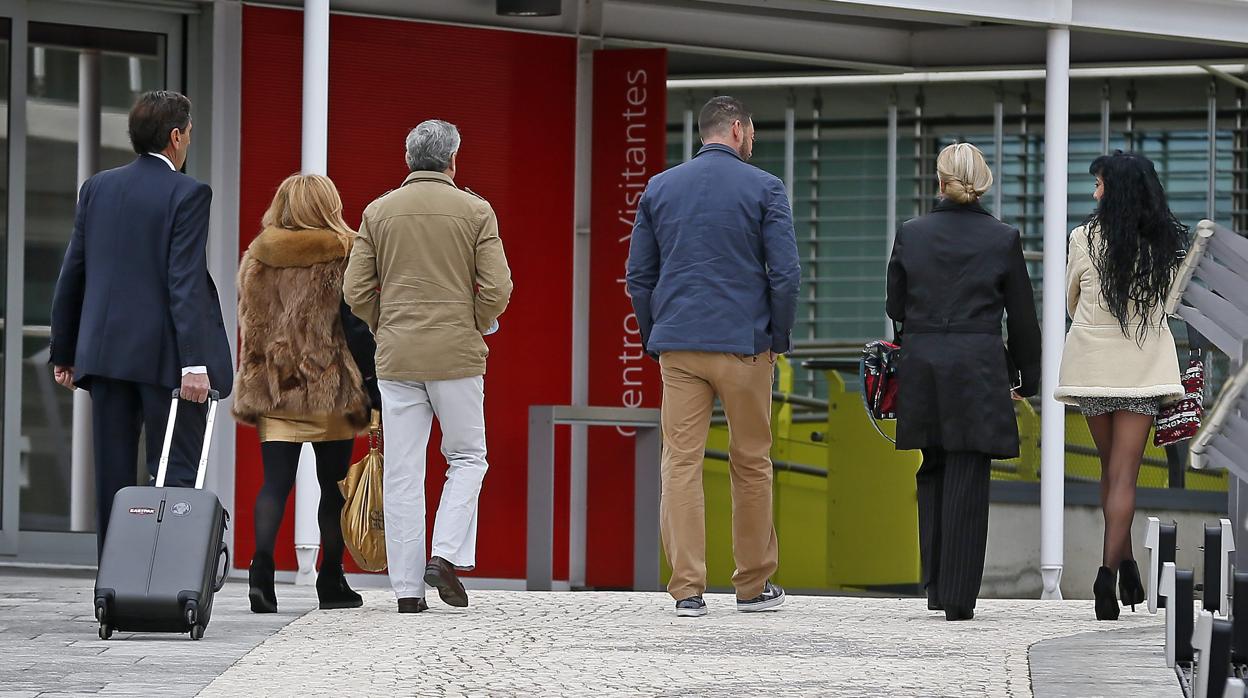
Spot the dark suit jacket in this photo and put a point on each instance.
(134, 300)
(952, 275)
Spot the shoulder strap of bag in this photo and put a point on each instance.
(878, 430)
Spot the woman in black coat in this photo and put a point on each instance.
(952, 275)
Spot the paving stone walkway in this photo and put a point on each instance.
(595, 644)
(49, 646)
(1129, 662)
(576, 644)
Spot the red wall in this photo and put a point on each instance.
(630, 144)
(512, 95)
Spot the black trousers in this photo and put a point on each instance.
(953, 523)
(119, 410)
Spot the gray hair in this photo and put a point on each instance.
(431, 145)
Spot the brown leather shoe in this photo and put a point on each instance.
(441, 574)
(413, 605)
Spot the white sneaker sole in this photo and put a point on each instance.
(767, 605)
(691, 612)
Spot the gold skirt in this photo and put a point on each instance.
(305, 428)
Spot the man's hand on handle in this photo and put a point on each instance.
(195, 387)
(64, 375)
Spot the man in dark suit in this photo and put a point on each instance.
(135, 314)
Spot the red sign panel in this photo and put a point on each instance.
(630, 147)
(502, 87)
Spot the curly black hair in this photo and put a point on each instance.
(1137, 243)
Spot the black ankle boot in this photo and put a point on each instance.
(1130, 588)
(1103, 589)
(332, 589)
(260, 580)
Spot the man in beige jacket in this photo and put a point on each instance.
(428, 275)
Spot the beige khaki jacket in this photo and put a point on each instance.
(428, 275)
(1099, 360)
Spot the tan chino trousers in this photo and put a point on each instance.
(691, 381)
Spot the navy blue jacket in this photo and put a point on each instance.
(134, 300)
(712, 265)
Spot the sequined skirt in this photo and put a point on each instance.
(1096, 406)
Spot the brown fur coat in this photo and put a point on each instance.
(293, 354)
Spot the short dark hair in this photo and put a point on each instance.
(719, 113)
(153, 116)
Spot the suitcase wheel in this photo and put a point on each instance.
(106, 631)
(192, 613)
(197, 632)
(101, 610)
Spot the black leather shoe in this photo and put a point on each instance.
(414, 604)
(260, 582)
(333, 591)
(1130, 588)
(959, 613)
(440, 574)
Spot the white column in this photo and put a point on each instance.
(82, 466)
(225, 72)
(315, 161)
(315, 86)
(1053, 413)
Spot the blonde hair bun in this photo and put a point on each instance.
(963, 172)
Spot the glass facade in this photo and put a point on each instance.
(840, 189)
(81, 83)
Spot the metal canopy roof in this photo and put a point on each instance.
(761, 36)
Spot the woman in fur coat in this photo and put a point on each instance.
(1120, 363)
(305, 371)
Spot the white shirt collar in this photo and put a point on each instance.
(167, 160)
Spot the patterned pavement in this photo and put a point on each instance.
(577, 644)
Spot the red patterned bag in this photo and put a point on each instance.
(878, 371)
(1180, 420)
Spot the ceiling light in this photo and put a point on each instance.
(529, 8)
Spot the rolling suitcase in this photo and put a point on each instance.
(159, 568)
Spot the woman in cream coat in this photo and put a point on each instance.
(1120, 362)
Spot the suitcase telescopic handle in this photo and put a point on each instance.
(213, 398)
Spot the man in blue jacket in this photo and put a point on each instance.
(135, 314)
(713, 274)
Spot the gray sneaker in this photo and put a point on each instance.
(691, 607)
(772, 596)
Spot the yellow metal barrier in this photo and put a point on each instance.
(858, 527)
(872, 511)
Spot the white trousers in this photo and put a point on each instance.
(408, 409)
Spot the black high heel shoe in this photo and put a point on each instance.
(1103, 590)
(1130, 589)
(260, 585)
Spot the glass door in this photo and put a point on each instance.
(84, 64)
(82, 83)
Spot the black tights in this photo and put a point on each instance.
(1120, 440)
(281, 462)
